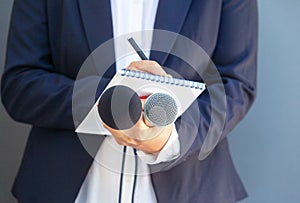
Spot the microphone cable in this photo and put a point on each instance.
(135, 174)
(122, 173)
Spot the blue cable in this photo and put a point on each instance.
(135, 175)
(122, 172)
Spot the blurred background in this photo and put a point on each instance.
(265, 145)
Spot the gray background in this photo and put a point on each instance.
(265, 146)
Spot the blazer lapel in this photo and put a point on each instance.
(170, 17)
(97, 21)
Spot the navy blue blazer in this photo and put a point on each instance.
(47, 44)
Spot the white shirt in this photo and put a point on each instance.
(103, 179)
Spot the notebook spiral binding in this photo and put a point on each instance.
(162, 79)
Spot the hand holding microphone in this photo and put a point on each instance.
(146, 130)
(148, 133)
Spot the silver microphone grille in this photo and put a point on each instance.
(160, 109)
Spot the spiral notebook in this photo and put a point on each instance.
(183, 91)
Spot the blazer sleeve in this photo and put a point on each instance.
(33, 91)
(235, 58)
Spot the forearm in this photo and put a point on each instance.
(45, 99)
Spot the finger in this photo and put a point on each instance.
(122, 138)
(143, 100)
(144, 66)
(143, 63)
(147, 66)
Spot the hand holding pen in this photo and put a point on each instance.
(145, 65)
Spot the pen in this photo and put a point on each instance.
(137, 48)
(142, 55)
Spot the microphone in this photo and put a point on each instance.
(120, 108)
(160, 110)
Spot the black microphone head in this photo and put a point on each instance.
(160, 109)
(120, 107)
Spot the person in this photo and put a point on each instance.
(47, 44)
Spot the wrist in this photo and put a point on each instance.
(156, 144)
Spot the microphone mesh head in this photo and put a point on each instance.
(160, 109)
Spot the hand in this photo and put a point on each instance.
(148, 139)
(148, 66)
(135, 137)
